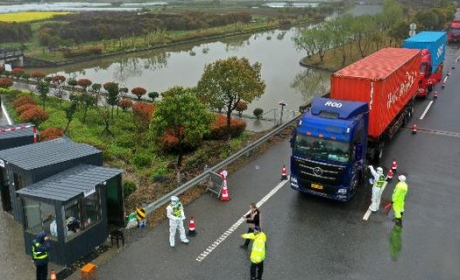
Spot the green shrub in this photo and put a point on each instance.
(129, 187)
(141, 160)
(160, 174)
(258, 112)
(116, 152)
(125, 141)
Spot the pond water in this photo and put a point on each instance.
(159, 70)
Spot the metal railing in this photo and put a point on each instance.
(203, 176)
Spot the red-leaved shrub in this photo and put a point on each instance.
(125, 104)
(5, 82)
(21, 109)
(17, 72)
(37, 74)
(51, 133)
(142, 112)
(219, 128)
(26, 99)
(138, 91)
(35, 115)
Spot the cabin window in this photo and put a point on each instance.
(38, 215)
(82, 213)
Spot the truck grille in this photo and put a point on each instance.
(318, 172)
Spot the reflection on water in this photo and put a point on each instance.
(310, 82)
(183, 65)
(395, 242)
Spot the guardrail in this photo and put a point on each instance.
(203, 176)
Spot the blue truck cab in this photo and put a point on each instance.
(329, 147)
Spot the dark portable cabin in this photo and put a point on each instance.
(72, 206)
(29, 164)
(12, 136)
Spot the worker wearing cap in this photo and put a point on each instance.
(176, 216)
(40, 248)
(377, 184)
(398, 198)
(257, 253)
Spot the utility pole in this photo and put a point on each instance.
(282, 104)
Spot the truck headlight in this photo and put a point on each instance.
(342, 191)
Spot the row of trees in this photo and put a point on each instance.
(15, 32)
(183, 114)
(92, 26)
(367, 31)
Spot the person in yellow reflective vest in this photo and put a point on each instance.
(176, 216)
(40, 249)
(257, 253)
(377, 185)
(398, 198)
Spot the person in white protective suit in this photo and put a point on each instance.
(176, 216)
(377, 184)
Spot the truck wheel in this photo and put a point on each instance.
(430, 88)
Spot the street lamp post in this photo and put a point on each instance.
(282, 104)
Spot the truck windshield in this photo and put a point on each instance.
(321, 149)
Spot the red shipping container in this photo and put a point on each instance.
(387, 80)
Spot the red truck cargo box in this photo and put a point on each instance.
(386, 79)
(455, 24)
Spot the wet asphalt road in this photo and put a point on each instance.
(309, 237)
(313, 238)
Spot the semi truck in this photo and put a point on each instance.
(433, 46)
(453, 32)
(334, 139)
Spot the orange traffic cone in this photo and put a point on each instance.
(435, 94)
(224, 195)
(448, 73)
(443, 84)
(453, 66)
(414, 129)
(53, 275)
(191, 228)
(394, 166)
(283, 173)
(390, 175)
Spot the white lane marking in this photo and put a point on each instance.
(5, 113)
(369, 212)
(426, 110)
(445, 79)
(227, 233)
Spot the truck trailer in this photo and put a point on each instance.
(433, 47)
(453, 32)
(369, 101)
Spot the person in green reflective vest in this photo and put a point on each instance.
(257, 253)
(176, 216)
(377, 182)
(398, 198)
(40, 249)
